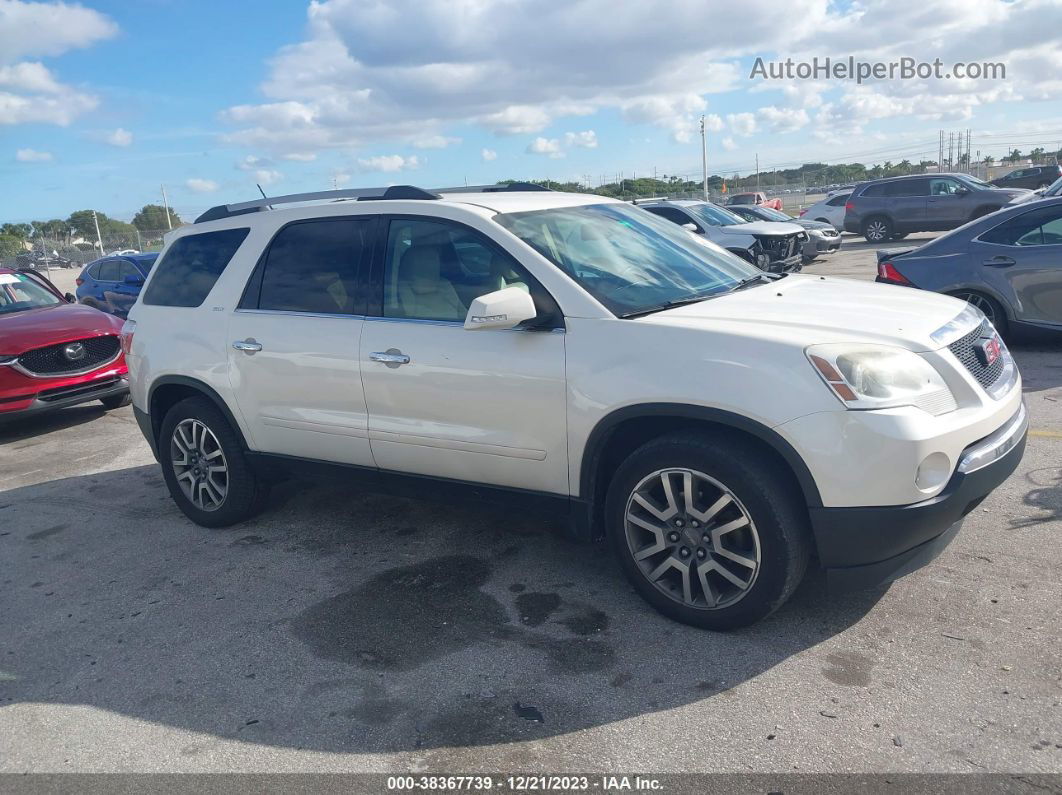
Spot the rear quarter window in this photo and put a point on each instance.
(873, 190)
(191, 267)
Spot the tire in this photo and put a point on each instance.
(242, 492)
(877, 229)
(113, 402)
(992, 309)
(764, 509)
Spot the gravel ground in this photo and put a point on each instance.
(345, 631)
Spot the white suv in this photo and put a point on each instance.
(718, 425)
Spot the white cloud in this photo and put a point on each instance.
(267, 176)
(300, 157)
(42, 29)
(728, 144)
(253, 163)
(340, 179)
(197, 185)
(586, 139)
(119, 137)
(545, 146)
(742, 123)
(29, 92)
(388, 163)
(488, 154)
(33, 156)
(436, 142)
(783, 120)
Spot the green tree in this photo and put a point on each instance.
(9, 246)
(152, 217)
(1013, 157)
(84, 223)
(989, 161)
(21, 231)
(54, 229)
(1037, 154)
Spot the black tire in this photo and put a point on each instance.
(113, 402)
(764, 492)
(245, 491)
(877, 229)
(992, 309)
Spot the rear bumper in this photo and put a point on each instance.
(864, 547)
(66, 396)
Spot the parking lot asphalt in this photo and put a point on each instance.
(346, 631)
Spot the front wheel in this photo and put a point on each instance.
(204, 466)
(711, 532)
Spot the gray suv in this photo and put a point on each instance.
(891, 208)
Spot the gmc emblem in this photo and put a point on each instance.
(987, 350)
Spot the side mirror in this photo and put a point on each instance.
(501, 309)
(135, 280)
(961, 191)
(690, 227)
(70, 298)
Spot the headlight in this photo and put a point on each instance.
(880, 377)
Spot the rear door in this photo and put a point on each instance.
(106, 282)
(130, 281)
(906, 200)
(485, 406)
(293, 343)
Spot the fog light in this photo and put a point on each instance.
(933, 472)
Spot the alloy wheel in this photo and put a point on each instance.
(199, 464)
(692, 538)
(876, 230)
(981, 302)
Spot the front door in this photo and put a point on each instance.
(486, 406)
(947, 206)
(293, 344)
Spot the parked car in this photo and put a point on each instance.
(1032, 177)
(578, 355)
(829, 210)
(55, 353)
(822, 237)
(111, 284)
(769, 246)
(893, 207)
(756, 197)
(1054, 189)
(1006, 264)
(40, 260)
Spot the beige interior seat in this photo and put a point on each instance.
(422, 290)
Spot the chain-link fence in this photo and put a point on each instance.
(73, 251)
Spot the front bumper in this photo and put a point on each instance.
(862, 547)
(788, 265)
(62, 397)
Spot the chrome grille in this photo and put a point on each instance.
(965, 352)
(59, 360)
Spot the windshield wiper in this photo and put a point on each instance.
(748, 281)
(692, 299)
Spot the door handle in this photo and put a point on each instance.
(999, 262)
(248, 346)
(389, 357)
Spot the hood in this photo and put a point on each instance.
(1013, 192)
(806, 310)
(763, 228)
(812, 224)
(50, 325)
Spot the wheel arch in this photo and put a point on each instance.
(168, 390)
(983, 289)
(623, 430)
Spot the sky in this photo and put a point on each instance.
(104, 102)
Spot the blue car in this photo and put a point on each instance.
(112, 283)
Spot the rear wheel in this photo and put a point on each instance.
(709, 532)
(877, 230)
(991, 308)
(204, 466)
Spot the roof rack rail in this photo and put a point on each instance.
(644, 199)
(499, 188)
(359, 194)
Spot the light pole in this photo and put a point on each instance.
(704, 157)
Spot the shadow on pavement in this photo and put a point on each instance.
(346, 621)
(17, 430)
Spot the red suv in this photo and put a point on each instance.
(54, 353)
(757, 198)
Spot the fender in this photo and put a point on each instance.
(599, 436)
(199, 386)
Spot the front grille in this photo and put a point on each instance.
(779, 246)
(965, 351)
(61, 359)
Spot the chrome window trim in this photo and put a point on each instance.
(458, 323)
(296, 313)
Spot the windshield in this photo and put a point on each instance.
(714, 215)
(1054, 189)
(975, 181)
(773, 215)
(627, 258)
(19, 292)
(743, 198)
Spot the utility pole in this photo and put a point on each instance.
(139, 245)
(704, 158)
(166, 204)
(757, 171)
(99, 239)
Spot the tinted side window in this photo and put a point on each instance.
(873, 190)
(672, 214)
(312, 266)
(1035, 228)
(908, 187)
(94, 270)
(126, 268)
(108, 271)
(838, 201)
(191, 267)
